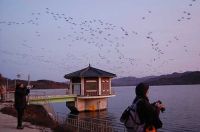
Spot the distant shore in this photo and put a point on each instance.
(156, 85)
(186, 78)
(39, 84)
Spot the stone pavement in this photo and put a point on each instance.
(8, 124)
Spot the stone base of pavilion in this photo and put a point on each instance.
(89, 103)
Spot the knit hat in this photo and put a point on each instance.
(141, 89)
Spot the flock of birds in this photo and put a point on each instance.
(186, 14)
(109, 40)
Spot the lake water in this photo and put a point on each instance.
(182, 106)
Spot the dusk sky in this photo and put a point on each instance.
(48, 39)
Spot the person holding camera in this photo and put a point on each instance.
(20, 102)
(148, 113)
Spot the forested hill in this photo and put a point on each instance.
(39, 84)
(170, 79)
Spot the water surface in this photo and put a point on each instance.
(182, 106)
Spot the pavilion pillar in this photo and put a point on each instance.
(99, 85)
(110, 89)
(70, 87)
(82, 86)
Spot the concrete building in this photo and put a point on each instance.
(92, 88)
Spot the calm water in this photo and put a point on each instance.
(182, 106)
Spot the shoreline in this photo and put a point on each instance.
(155, 85)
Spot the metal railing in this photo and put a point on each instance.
(89, 124)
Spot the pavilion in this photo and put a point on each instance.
(92, 87)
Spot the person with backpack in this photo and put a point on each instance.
(142, 116)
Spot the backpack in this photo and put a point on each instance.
(130, 118)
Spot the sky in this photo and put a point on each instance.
(50, 38)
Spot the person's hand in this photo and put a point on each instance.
(29, 86)
(160, 106)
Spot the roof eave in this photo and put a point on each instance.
(70, 77)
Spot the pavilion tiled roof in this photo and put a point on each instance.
(89, 72)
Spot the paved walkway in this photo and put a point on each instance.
(8, 124)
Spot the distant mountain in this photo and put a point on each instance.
(129, 81)
(170, 79)
(176, 79)
(42, 84)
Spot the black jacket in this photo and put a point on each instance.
(20, 98)
(148, 113)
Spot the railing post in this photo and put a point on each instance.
(91, 125)
(57, 116)
(106, 126)
(78, 123)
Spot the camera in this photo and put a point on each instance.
(30, 86)
(162, 109)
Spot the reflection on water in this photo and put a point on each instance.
(181, 101)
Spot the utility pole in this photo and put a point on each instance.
(28, 79)
(7, 83)
(28, 86)
(18, 76)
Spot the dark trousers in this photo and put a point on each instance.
(2, 98)
(20, 114)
